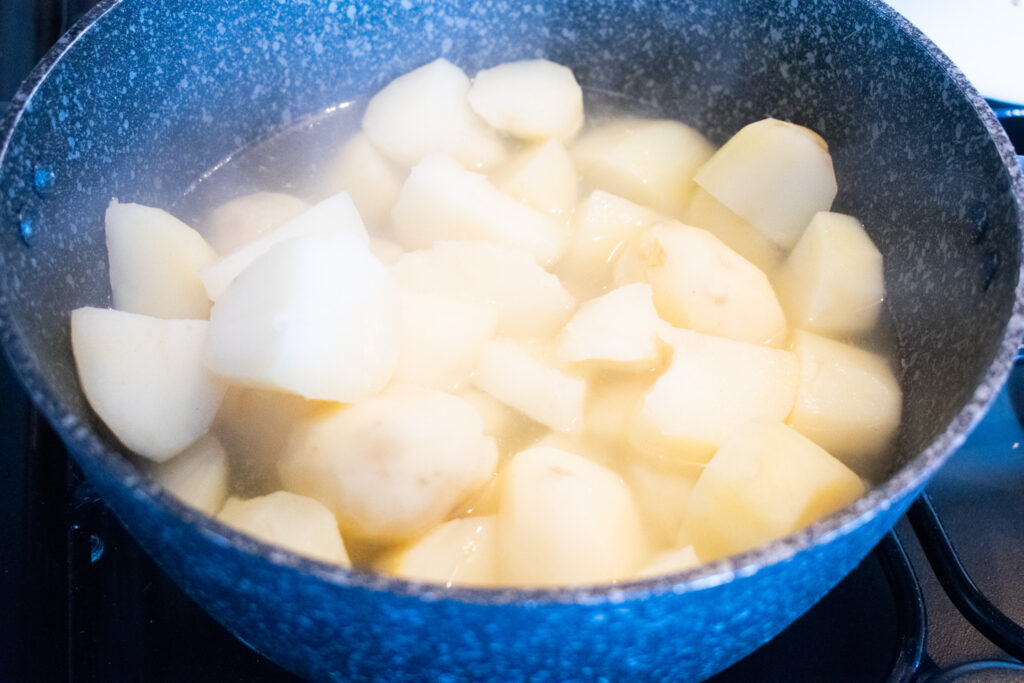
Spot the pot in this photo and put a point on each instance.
(140, 99)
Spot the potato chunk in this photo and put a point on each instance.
(565, 520)
(297, 523)
(612, 399)
(427, 111)
(661, 488)
(773, 174)
(669, 562)
(198, 476)
(517, 376)
(367, 176)
(245, 219)
(441, 339)
(511, 430)
(531, 99)
(707, 212)
(531, 302)
(334, 214)
(317, 316)
(145, 378)
(620, 327)
(712, 386)
(155, 263)
(443, 201)
(832, 282)
(393, 466)
(651, 162)
(461, 552)
(701, 284)
(765, 481)
(848, 402)
(542, 177)
(386, 251)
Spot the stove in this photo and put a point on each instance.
(939, 599)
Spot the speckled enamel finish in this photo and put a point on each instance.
(142, 98)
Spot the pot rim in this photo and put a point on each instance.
(83, 443)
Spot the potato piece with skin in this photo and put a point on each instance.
(370, 179)
(543, 177)
(519, 377)
(651, 162)
(707, 212)
(531, 302)
(773, 174)
(198, 476)
(145, 378)
(531, 99)
(661, 488)
(393, 466)
(848, 402)
(155, 263)
(334, 214)
(245, 219)
(441, 339)
(766, 481)
(712, 386)
(426, 111)
(618, 328)
(565, 520)
(833, 281)
(443, 201)
(701, 284)
(296, 523)
(669, 562)
(460, 552)
(317, 316)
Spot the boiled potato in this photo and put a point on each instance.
(612, 399)
(317, 316)
(511, 430)
(334, 214)
(519, 377)
(145, 378)
(701, 284)
(460, 552)
(155, 263)
(427, 111)
(618, 328)
(774, 175)
(443, 201)
(764, 482)
(441, 339)
(532, 99)
(848, 402)
(712, 386)
(483, 502)
(565, 520)
(531, 302)
(542, 177)
(651, 162)
(707, 212)
(669, 562)
(245, 219)
(297, 523)
(367, 176)
(393, 466)
(661, 488)
(832, 282)
(387, 251)
(198, 476)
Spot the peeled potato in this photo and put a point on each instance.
(765, 481)
(707, 212)
(317, 316)
(713, 386)
(773, 174)
(198, 477)
(618, 328)
(155, 263)
(701, 284)
(612, 399)
(367, 176)
(393, 466)
(565, 520)
(832, 281)
(848, 402)
(542, 177)
(297, 523)
(426, 111)
(651, 162)
(386, 251)
(517, 376)
(530, 99)
(530, 301)
(669, 562)
(334, 214)
(511, 430)
(245, 219)
(145, 378)
(661, 488)
(443, 201)
(461, 552)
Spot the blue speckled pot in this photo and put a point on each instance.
(141, 98)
